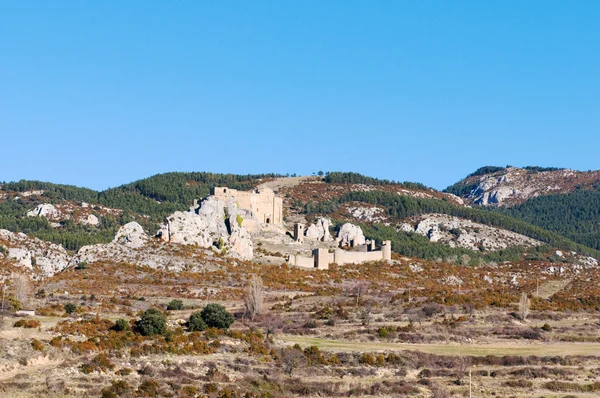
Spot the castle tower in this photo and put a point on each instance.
(299, 232)
(386, 250)
(321, 257)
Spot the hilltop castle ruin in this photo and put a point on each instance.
(267, 207)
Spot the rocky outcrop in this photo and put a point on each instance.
(431, 228)
(320, 230)
(351, 235)
(213, 223)
(36, 255)
(47, 211)
(364, 213)
(458, 232)
(497, 190)
(202, 226)
(90, 220)
(513, 185)
(80, 213)
(132, 245)
(131, 235)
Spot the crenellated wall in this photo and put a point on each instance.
(321, 258)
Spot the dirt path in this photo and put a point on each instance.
(497, 349)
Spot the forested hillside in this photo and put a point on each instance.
(558, 221)
(563, 201)
(575, 215)
(400, 207)
(337, 177)
(147, 201)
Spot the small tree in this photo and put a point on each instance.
(462, 366)
(291, 358)
(196, 323)
(70, 308)
(360, 289)
(254, 298)
(524, 306)
(216, 316)
(153, 322)
(271, 322)
(175, 305)
(365, 315)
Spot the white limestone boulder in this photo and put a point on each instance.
(131, 235)
(45, 210)
(200, 226)
(319, 230)
(351, 235)
(90, 220)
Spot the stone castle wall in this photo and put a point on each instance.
(321, 258)
(267, 207)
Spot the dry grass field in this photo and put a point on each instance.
(379, 330)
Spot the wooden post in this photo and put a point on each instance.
(470, 390)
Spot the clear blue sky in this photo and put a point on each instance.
(106, 92)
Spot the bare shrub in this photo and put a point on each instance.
(254, 300)
(272, 323)
(147, 370)
(519, 383)
(439, 391)
(430, 310)
(365, 315)
(462, 365)
(291, 358)
(359, 290)
(524, 306)
(22, 289)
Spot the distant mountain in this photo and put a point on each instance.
(509, 186)
(386, 211)
(560, 200)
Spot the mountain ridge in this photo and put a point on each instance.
(343, 194)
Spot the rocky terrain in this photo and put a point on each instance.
(82, 213)
(220, 227)
(213, 223)
(117, 306)
(455, 231)
(33, 254)
(512, 185)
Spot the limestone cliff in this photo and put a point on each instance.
(513, 185)
(213, 223)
